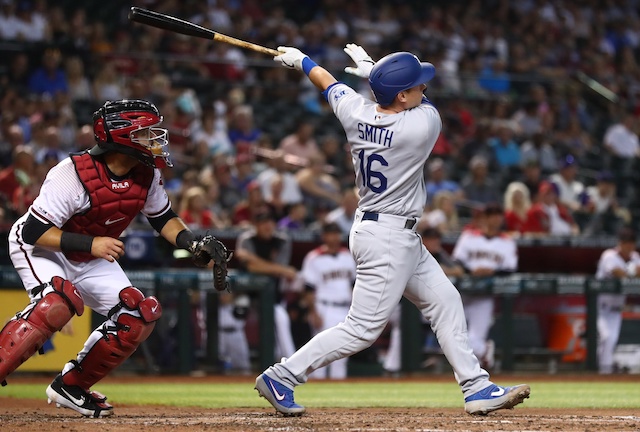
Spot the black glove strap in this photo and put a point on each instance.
(185, 239)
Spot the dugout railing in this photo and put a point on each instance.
(174, 288)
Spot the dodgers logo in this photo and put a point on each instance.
(339, 95)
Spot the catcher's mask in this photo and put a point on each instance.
(130, 127)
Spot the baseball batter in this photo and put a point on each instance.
(66, 247)
(485, 252)
(619, 262)
(329, 271)
(390, 142)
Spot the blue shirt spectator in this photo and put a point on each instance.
(506, 151)
(49, 78)
(437, 181)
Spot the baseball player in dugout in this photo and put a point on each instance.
(484, 252)
(65, 249)
(328, 272)
(390, 140)
(619, 262)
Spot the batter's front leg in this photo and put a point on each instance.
(440, 303)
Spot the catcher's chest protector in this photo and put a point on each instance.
(114, 204)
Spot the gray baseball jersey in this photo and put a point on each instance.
(388, 151)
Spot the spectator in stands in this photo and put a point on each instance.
(17, 76)
(229, 196)
(107, 84)
(211, 139)
(484, 253)
(295, 217)
(10, 28)
(14, 138)
(344, 213)
(301, 143)
(79, 85)
(527, 120)
(84, 138)
(318, 187)
(244, 172)
(245, 212)
(548, 216)
(494, 78)
(608, 214)
(506, 151)
(51, 149)
(574, 139)
(438, 181)
(539, 149)
(570, 190)
(443, 215)
(621, 139)
(620, 262)
(517, 202)
(477, 185)
(194, 212)
(20, 173)
(291, 192)
(49, 78)
(242, 132)
(33, 24)
(263, 250)
(532, 176)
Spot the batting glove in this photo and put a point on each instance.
(363, 61)
(290, 57)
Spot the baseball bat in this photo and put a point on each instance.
(168, 22)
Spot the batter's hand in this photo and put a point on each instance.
(290, 57)
(108, 248)
(360, 57)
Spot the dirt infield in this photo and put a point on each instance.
(22, 415)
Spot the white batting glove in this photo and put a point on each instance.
(363, 61)
(290, 57)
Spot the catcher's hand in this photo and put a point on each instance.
(209, 248)
(363, 61)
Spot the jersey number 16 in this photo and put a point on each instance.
(368, 173)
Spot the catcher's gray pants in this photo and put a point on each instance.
(391, 262)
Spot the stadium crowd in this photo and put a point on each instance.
(539, 99)
(245, 134)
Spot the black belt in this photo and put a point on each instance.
(372, 216)
(228, 329)
(335, 304)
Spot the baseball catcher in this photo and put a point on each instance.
(66, 246)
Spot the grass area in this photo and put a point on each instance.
(403, 394)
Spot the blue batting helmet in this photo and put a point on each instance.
(397, 72)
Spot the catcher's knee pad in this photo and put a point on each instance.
(118, 339)
(23, 336)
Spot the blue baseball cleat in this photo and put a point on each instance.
(495, 397)
(278, 395)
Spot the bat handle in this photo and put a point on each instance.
(244, 44)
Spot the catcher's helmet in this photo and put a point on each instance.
(129, 127)
(397, 72)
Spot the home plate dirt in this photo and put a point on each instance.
(26, 415)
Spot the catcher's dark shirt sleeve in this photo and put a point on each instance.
(160, 221)
(33, 229)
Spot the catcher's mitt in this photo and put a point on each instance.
(210, 248)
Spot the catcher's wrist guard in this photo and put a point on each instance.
(186, 240)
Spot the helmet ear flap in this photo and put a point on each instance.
(99, 131)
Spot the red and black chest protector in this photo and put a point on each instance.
(114, 204)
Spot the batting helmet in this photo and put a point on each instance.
(397, 72)
(129, 127)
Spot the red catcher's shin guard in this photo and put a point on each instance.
(23, 336)
(112, 349)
